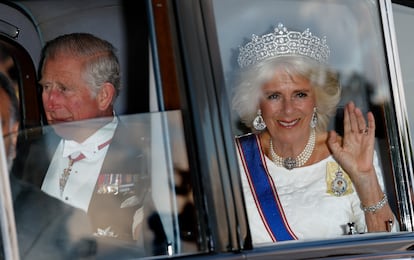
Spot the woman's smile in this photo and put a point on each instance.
(288, 124)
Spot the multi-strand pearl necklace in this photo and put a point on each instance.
(289, 162)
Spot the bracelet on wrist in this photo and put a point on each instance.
(377, 206)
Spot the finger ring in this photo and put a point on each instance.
(363, 131)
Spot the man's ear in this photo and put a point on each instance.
(106, 95)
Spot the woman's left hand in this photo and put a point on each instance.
(356, 152)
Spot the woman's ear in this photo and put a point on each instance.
(106, 96)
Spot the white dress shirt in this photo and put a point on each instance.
(82, 179)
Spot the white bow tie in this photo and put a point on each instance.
(72, 147)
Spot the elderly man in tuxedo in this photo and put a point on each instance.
(93, 160)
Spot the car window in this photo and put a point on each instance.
(357, 53)
(163, 180)
(160, 156)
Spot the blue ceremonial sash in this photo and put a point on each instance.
(264, 191)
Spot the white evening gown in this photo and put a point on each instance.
(311, 211)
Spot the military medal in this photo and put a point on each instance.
(119, 183)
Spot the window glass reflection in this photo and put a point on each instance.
(357, 57)
(156, 186)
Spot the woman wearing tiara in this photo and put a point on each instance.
(300, 180)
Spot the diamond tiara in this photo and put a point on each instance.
(282, 42)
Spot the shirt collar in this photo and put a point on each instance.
(91, 144)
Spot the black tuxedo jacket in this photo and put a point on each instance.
(112, 208)
(48, 228)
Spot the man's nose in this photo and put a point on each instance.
(50, 97)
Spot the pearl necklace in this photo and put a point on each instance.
(289, 162)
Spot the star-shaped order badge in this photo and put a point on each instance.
(338, 182)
